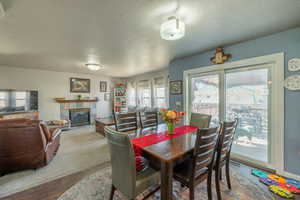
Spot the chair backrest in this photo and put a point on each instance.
(148, 119)
(122, 161)
(200, 120)
(21, 135)
(226, 138)
(126, 121)
(204, 152)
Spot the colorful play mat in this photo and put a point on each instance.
(284, 187)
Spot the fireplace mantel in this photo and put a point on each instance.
(75, 100)
(69, 105)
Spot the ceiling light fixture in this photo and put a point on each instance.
(172, 29)
(2, 11)
(93, 66)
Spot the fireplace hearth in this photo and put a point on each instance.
(79, 116)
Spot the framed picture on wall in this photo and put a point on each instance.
(80, 85)
(103, 86)
(176, 87)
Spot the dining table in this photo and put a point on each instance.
(156, 144)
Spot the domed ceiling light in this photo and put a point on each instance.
(93, 66)
(173, 28)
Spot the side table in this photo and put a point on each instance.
(102, 122)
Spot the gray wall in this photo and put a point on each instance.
(287, 42)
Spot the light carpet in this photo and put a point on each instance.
(80, 149)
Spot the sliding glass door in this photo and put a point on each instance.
(244, 94)
(247, 98)
(205, 95)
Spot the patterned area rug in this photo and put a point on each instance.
(97, 187)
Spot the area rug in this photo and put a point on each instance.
(80, 149)
(97, 187)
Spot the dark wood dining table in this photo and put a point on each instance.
(167, 152)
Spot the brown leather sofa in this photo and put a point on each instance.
(26, 144)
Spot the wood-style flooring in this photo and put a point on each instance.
(52, 190)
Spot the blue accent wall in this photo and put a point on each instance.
(287, 42)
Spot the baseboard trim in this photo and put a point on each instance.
(252, 164)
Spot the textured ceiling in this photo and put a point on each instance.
(63, 35)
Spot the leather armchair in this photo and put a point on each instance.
(26, 144)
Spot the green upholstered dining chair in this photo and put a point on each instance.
(124, 176)
(200, 120)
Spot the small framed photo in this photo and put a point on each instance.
(176, 87)
(103, 86)
(80, 85)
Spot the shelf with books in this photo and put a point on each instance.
(120, 99)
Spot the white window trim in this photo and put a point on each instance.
(277, 61)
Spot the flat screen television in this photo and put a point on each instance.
(18, 101)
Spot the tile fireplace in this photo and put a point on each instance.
(79, 112)
(79, 116)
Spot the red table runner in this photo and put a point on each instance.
(148, 140)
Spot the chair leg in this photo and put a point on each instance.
(112, 192)
(151, 193)
(209, 192)
(228, 175)
(192, 193)
(221, 173)
(217, 178)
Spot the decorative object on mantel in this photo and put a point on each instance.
(292, 82)
(80, 85)
(170, 117)
(294, 64)
(103, 86)
(176, 87)
(220, 57)
(79, 96)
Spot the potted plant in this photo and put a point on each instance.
(171, 117)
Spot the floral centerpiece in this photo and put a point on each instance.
(170, 117)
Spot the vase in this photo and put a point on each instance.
(170, 128)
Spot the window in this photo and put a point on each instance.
(144, 94)
(159, 93)
(20, 99)
(131, 93)
(150, 93)
(3, 99)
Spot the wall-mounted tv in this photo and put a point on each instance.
(18, 101)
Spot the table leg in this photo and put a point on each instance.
(166, 180)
